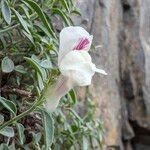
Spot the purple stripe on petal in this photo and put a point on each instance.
(83, 42)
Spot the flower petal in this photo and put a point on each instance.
(72, 38)
(77, 66)
(54, 92)
(100, 71)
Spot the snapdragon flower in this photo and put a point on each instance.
(74, 63)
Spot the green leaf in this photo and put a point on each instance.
(36, 137)
(40, 82)
(7, 65)
(29, 36)
(76, 115)
(20, 69)
(12, 146)
(43, 28)
(8, 105)
(1, 119)
(64, 3)
(21, 20)
(4, 147)
(85, 143)
(21, 135)
(3, 41)
(46, 64)
(77, 12)
(48, 126)
(26, 10)
(36, 66)
(62, 15)
(7, 131)
(36, 59)
(6, 12)
(73, 96)
(41, 15)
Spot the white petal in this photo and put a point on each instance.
(69, 38)
(54, 92)
(77, 66)
(81, 77)
(100, 71)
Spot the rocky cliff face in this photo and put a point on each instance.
(122, 27)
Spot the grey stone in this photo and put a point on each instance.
(122, 28)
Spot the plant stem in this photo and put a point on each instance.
(37, 103)
(32, 108)
(9, 28)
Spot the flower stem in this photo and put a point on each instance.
(8, 29)
(32, 108)
(37, 103)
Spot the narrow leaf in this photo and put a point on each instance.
(26, 10)
(41, 15)
(77, 12)
(48, 126)
(29, 36)
(1, 119)
(64, 3)
(35, 66)
(43, 28)
(3, 41)
(21, 20)
(85, 143)
(6, 12)
(40, 82)
(62, 15)
(73, 96)
(21, 135)
(8, 105)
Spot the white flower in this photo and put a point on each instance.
(74, 63)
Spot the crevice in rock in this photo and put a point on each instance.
(128, 87)
(101, 3)
(132, 62)
(142, 137)
(125, 6)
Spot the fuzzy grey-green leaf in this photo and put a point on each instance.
(8, 105)
(6, 12)
(7, 65)
(37, 67)
(62, 15)
(1, 119)
(20, 69)
(21, 135)
(46, 64)
(4, 147)
(7, 131)
(48, 126)
(21, 20)
(41, 15)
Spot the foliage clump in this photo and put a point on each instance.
(28, 57)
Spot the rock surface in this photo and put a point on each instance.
(122, 27)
